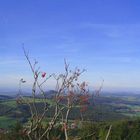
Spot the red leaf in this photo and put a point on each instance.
(43, 74)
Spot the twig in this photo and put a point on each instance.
(108, 132)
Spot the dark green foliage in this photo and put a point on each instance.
(89, 131)
(57, 134)
(121, 130)
(16, 132)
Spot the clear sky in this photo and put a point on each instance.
(102, 36)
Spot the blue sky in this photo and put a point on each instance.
(102, 36)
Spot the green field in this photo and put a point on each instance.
(6, 122)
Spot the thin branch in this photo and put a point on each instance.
(108, 132)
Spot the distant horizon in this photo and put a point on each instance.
(115, 91)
